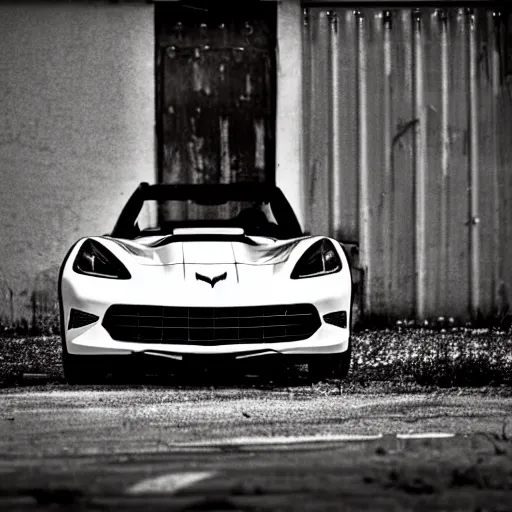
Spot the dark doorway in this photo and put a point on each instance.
(216, 85)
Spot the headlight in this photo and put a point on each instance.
(320, 259)
(95, 260)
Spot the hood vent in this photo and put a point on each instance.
(213, 237)
(208, 231)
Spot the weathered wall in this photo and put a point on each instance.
(76, 134)
(407, 132)
(216, 92)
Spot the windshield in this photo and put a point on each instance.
(159, 217)
(259, 209)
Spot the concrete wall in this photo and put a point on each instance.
(76, 135)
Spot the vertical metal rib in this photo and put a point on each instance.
(445, 154)
(362, 117)
(387, 225)
(495, 77)
(474, 220)
(335, 181)
(419, 167)
(307, 120)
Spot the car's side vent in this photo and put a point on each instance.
(79, 319)
(338, 318)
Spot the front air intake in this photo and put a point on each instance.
(79, 319)
(338, 318)
(211, 326)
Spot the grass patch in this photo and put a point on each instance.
(456, 357)
(459, 356)
(35, 354)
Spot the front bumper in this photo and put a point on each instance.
(94, 296)
(96, 341)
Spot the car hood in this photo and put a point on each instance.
(172, 250)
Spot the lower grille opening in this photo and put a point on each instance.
(211, 326)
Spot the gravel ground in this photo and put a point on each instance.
(82, 446)
(405, 358)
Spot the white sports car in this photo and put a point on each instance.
(205, 273)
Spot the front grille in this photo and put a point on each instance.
(211, 326)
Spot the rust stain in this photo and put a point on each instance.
(259, 158)
(224, 150)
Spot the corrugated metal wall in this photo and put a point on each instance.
(408, 119)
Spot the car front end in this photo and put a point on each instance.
(168, 310)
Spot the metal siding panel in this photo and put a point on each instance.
(503, 135)
(457, 186)
(364, 199)
(495, 165)
(423, 153)
(317, 169)
(420, 165)
(435, 47)
(402, 126)
(474, 143)
(335, 174)
(488, 202)
(445, 150)
(375, 172)
(387, 191)
(307, 112)
(348, 124)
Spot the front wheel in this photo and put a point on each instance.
(330, 366)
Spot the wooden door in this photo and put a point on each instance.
(216, 91)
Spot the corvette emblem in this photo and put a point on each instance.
(213, 281)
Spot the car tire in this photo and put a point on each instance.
(330, 366)
(83, 369)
